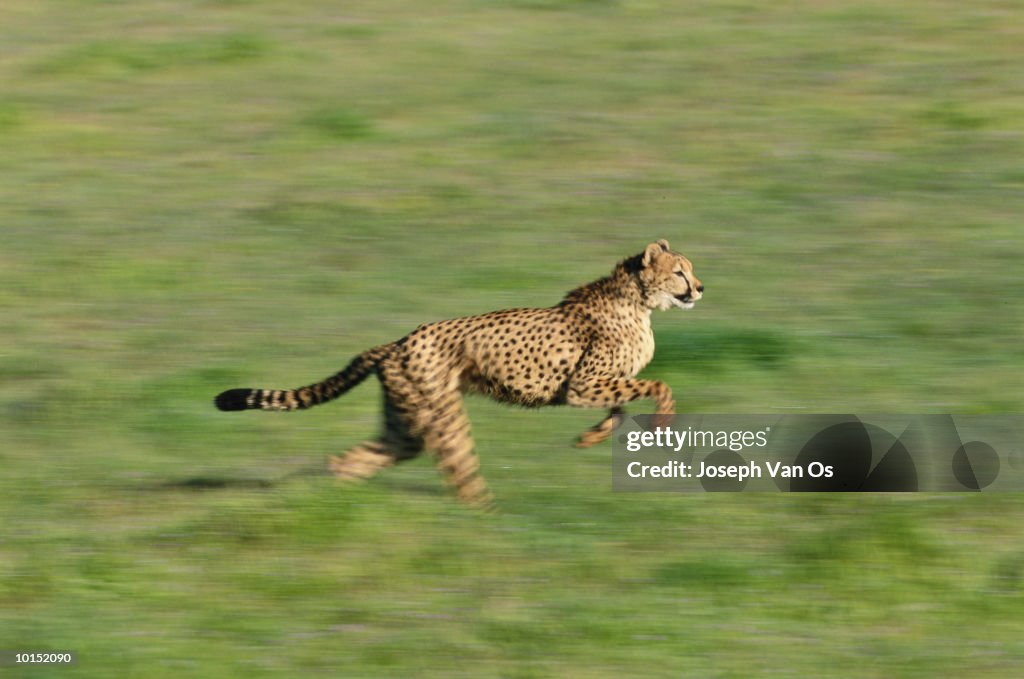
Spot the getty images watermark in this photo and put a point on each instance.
(820, 453)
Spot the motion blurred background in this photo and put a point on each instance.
(197, 195)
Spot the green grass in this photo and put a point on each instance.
(196, 195)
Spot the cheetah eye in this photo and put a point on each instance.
(680, 274)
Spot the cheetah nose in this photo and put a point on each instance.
(700, 288)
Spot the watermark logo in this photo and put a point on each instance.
(820, 453)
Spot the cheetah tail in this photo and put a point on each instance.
(305, 397)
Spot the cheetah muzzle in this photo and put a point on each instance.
(585, 351)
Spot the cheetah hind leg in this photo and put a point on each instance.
(603, 429)
(448, 436)
(361, 462)
(395, 444)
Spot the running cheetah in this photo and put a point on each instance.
(585, 352)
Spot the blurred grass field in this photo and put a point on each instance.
(196, 195)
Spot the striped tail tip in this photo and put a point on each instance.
(233, 399)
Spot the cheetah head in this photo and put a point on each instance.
(666, 278)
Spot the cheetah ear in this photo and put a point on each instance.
(653, 250)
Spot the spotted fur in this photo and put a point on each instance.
(586, 352)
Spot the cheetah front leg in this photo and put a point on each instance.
(614, 392)
(603, 429)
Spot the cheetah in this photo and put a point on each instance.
(585, 351)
